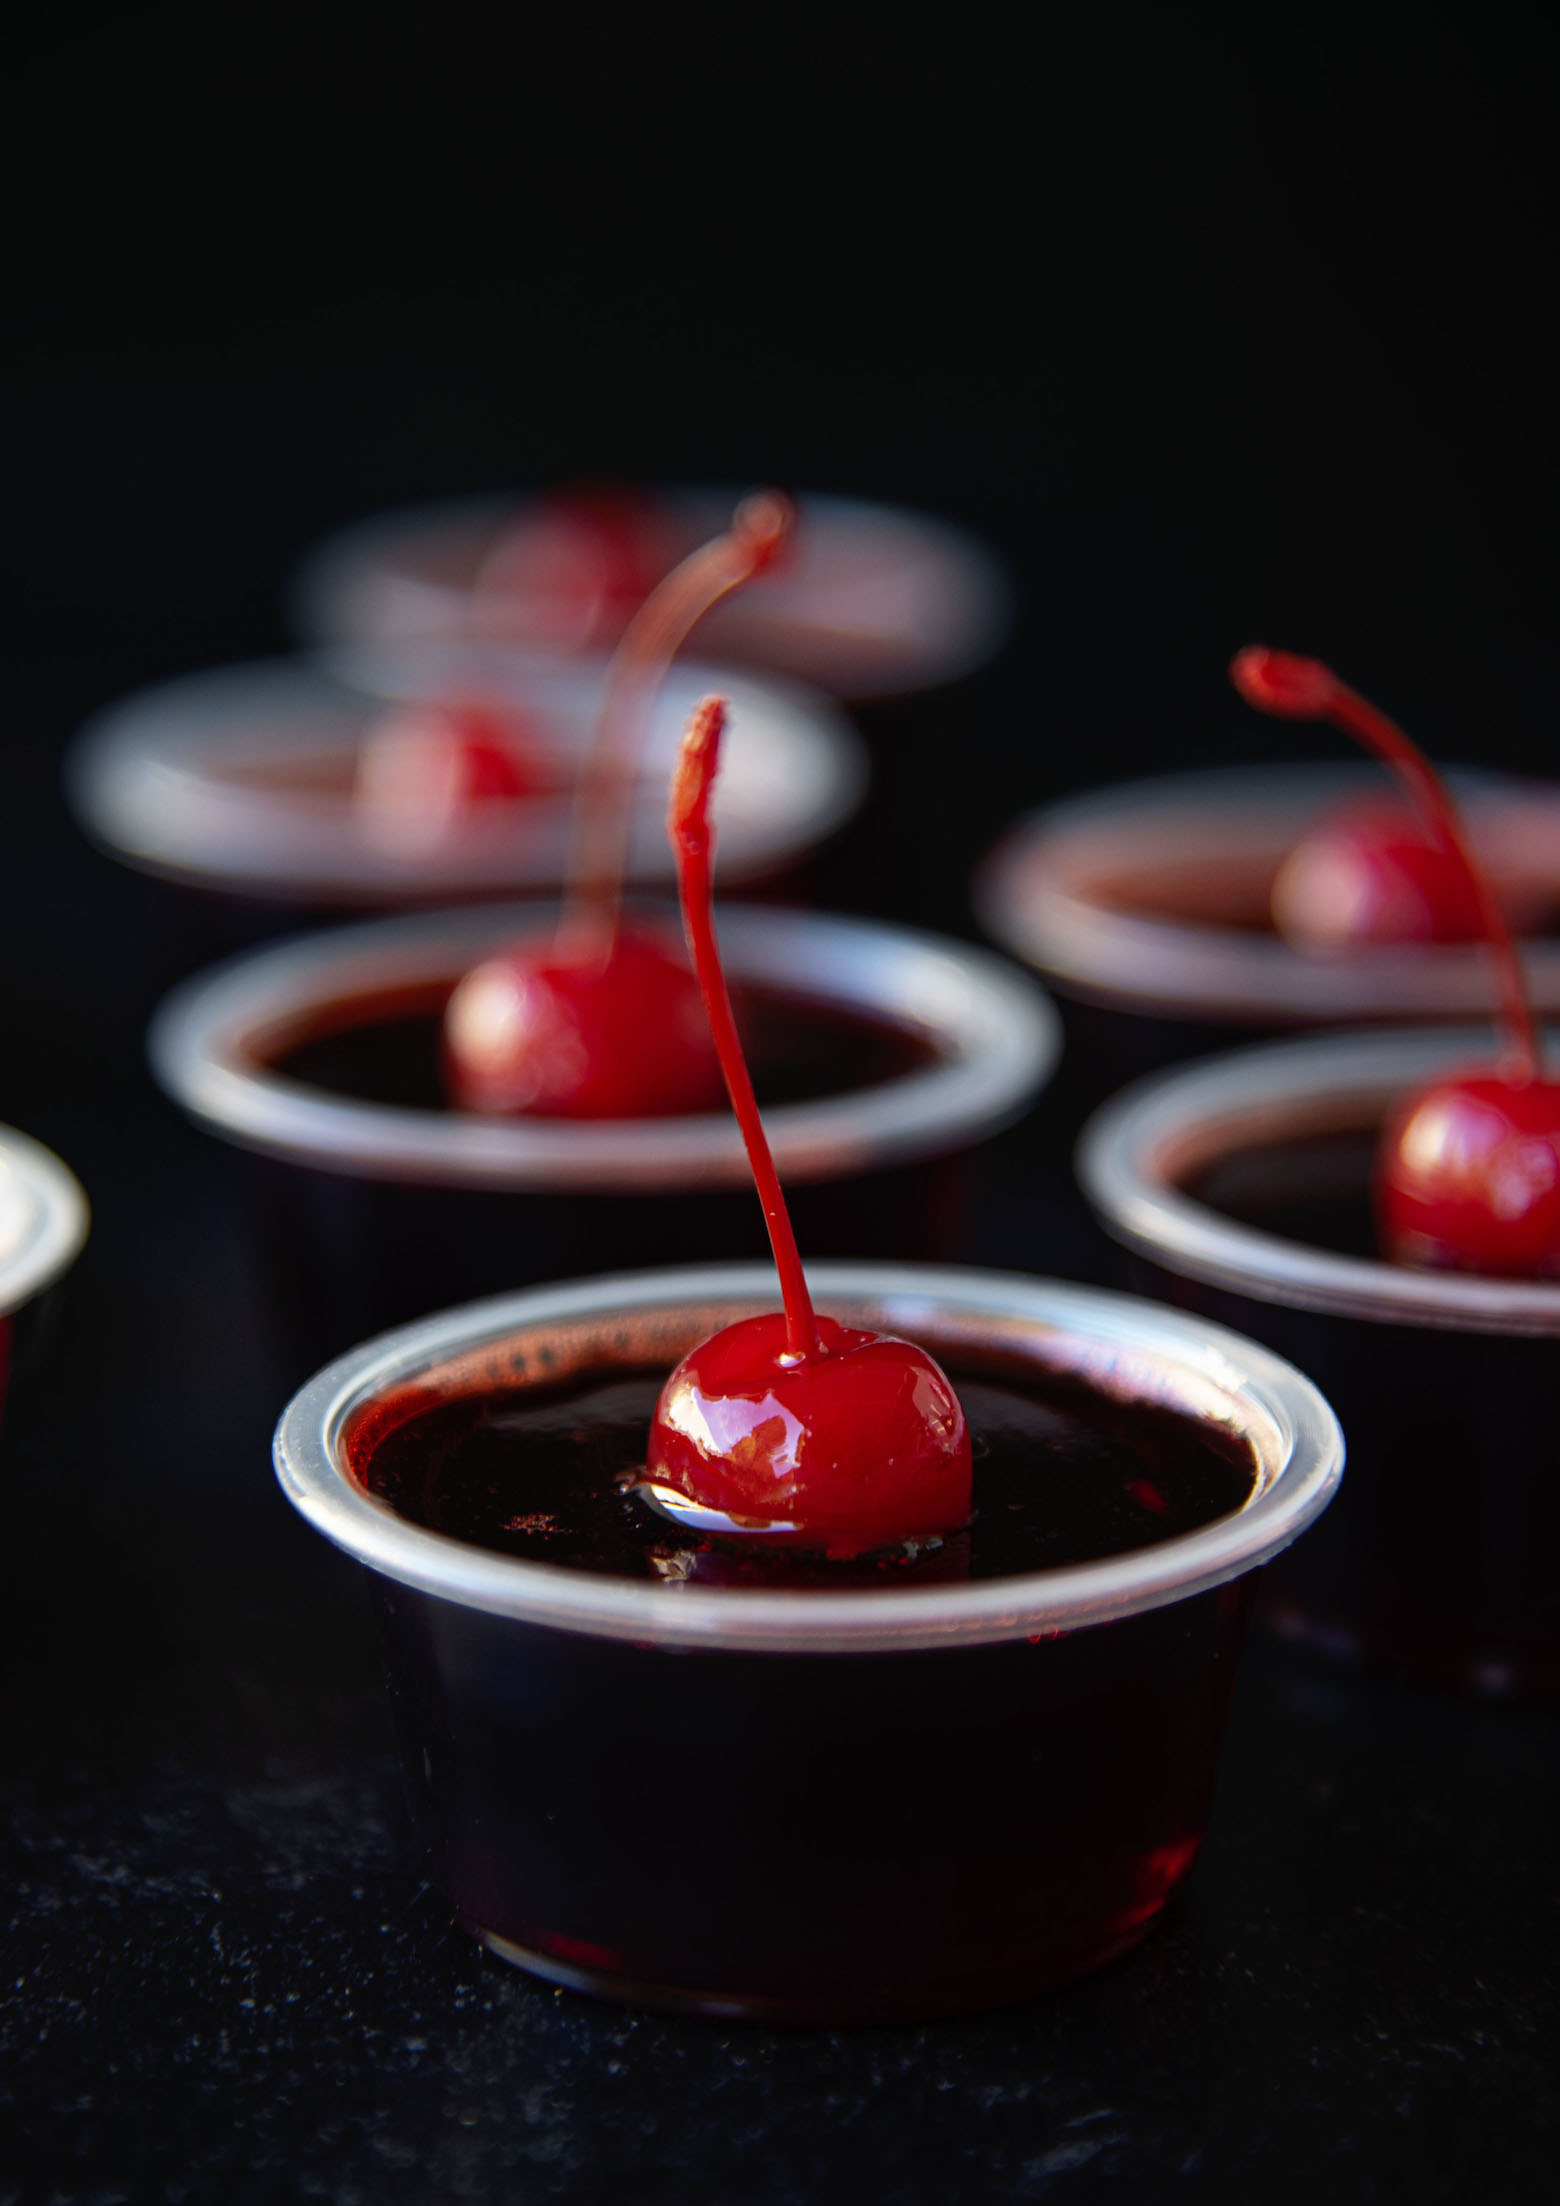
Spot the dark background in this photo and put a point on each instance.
(1219, 320)
(1223, 324)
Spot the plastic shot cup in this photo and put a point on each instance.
(1242, 1186)
(242, 781)
(810, 1805)
(870, 601)
(372, 1201)
(1147, 907)
(43, 1223)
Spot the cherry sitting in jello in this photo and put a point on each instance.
(1468, 1171)
(572, 573)
(787, 1424)
(1469, 1175)
(1373, 872)
(606, 1022)
(610, 1030)
(1366, 875)
(422, 769)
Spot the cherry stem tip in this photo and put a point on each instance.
(762, 524)
(693, 781)
(1284, 683)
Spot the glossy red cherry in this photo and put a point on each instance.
(1470, 1176)
(611, 1031)
(573, 571)
(1366, 875)
(859, 1444)
(424, 768)
(793, 1425)
(605, 1021)
(1369, 874)
(1468, 1169)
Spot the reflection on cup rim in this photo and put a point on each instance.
(1036, 895)
(995, 1034)
(1138, 1148)
(145, 778)
(1133, 1348)
(43, 1218)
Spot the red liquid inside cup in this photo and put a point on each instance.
(806, 1836)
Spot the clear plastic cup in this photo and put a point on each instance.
(241, 780)
(1242, 1185)
(367, 1211)
(871, 602)
(43, 1223)
(1147, 907)
(813, 1805)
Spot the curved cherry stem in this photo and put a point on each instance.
(1295, 688)
(693, 842)
(650, 642)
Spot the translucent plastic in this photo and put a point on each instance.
(242, 779)
(43, 1223)
(1151, 902)
(990, 1036)
(814, 1805)
(367, 1212)
(1439, 1564)
(872, 602)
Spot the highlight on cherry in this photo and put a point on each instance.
(791, 1425)
(604, 1019)
(1467, 1169)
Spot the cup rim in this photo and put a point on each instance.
(47, 1221)
(349, 590)
(997, 1033)
(139, 778)
(1030, 891)
(1119, 1340)
(1133, 1147)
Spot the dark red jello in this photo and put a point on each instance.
(1063, 1475)
(696, 1773)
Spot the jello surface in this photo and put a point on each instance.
(800, 1051)
(1063, 1475)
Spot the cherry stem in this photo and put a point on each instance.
(1294, 688)
(649, 644)
(693, 843)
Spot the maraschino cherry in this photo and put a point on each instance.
(605, 1021)
(790, 1424)
(1468, 1171)
(1367, 874)
(570, 573)
(423, 768)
